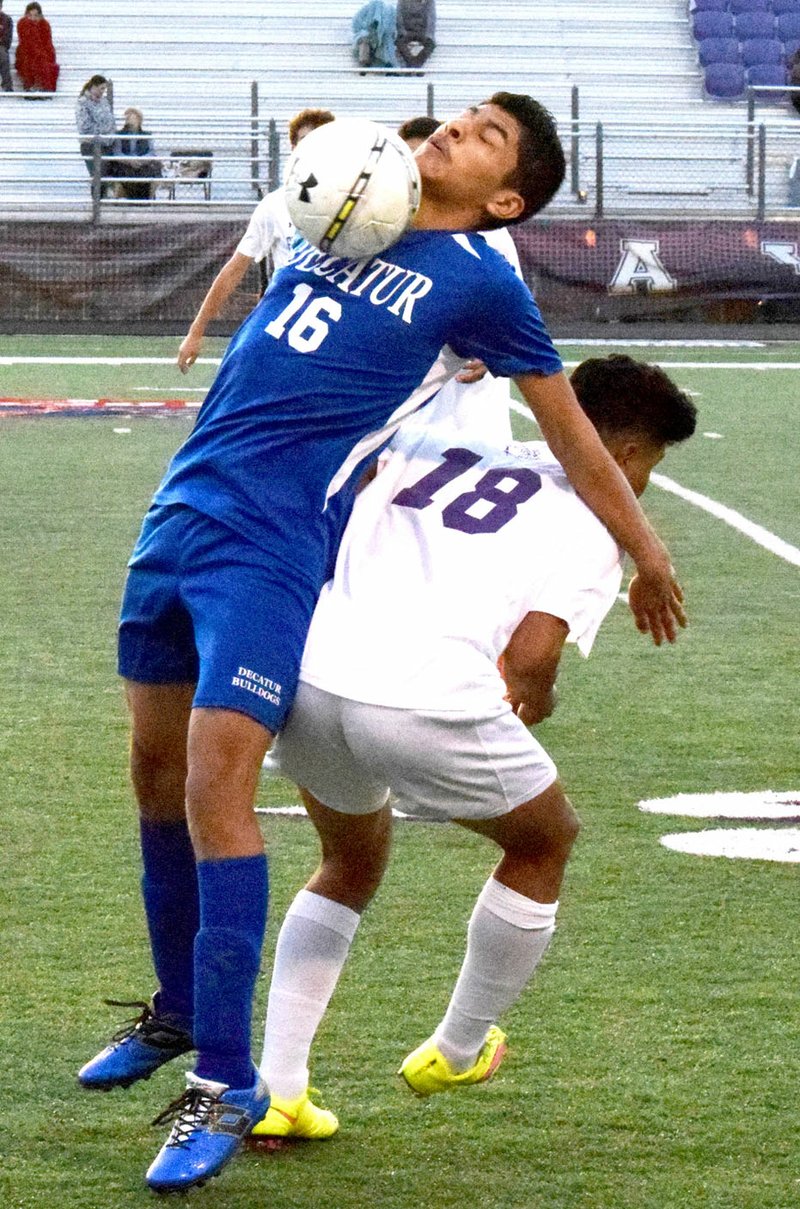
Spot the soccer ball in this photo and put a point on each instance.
(352, 187)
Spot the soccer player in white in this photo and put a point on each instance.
(462, 572)
(268, 237)
(474, 400)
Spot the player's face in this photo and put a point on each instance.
(467, 160)
(302, 132)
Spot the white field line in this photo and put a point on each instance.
(602, 342)
(754, 365)
(117, 361)
(299, 812)
(102, 361)
(730, 516)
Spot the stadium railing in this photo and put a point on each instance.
(725, 167)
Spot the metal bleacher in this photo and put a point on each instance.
(190, 67)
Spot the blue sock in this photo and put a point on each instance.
(172, 906)
(227, 956)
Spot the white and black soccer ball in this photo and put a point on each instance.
(352, 187)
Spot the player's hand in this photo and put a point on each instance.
(528, 713)
(656, 601)
(189, 352)
(473, 371)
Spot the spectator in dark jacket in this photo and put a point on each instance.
(136, 158)
(416, 30)
(794, 78)
(6, 34)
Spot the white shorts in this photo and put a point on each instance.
(438, 765)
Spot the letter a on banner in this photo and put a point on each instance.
(784, 253)
(640, 270)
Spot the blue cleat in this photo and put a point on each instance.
(211, 1122)
(139, 1048)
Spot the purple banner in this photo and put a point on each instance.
(77, 273)
(153, 273)
(616, 269)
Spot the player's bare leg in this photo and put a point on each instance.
(536, 839)
(226, 750)
(160, 715)
(355, 853)
(312, 948)
(509, 931)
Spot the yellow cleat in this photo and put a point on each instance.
(427, 1071)
(295, 1119)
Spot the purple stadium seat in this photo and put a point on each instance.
(719, 50)
(762, 50)
(787, 27)
(749, 6)
(710, 6)
(774, 74)
(712, 25)
(785, 6)
(790, 49)
(754, 25)
(724, 81)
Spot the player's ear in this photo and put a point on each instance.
(624, 451)
(506, 205)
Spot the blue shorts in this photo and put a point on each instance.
(202, 605)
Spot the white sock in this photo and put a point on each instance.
(506, 939)
(312, 948)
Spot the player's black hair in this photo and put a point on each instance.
(619, 394)
(541, 166)
(418, 128)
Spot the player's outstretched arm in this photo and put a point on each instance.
(529, 665)
(657, 601)
(220, 290)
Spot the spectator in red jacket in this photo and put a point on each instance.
(36, 56)
(6, 34)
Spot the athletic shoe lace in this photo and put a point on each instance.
(189, 1112)
(150, 1027)
(129, 1027)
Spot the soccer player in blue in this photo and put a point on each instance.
(239, 539)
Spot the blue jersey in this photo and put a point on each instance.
(323, 371)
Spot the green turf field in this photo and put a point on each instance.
(654, 1064)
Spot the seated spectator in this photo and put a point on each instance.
(416, 27)
(374, 32)
(94, 118)
(794, 79)
(136, 159)
(36, 56)
(6, 34)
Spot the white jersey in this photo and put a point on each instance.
(444, 555)
(479, 409)
(270, 231)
